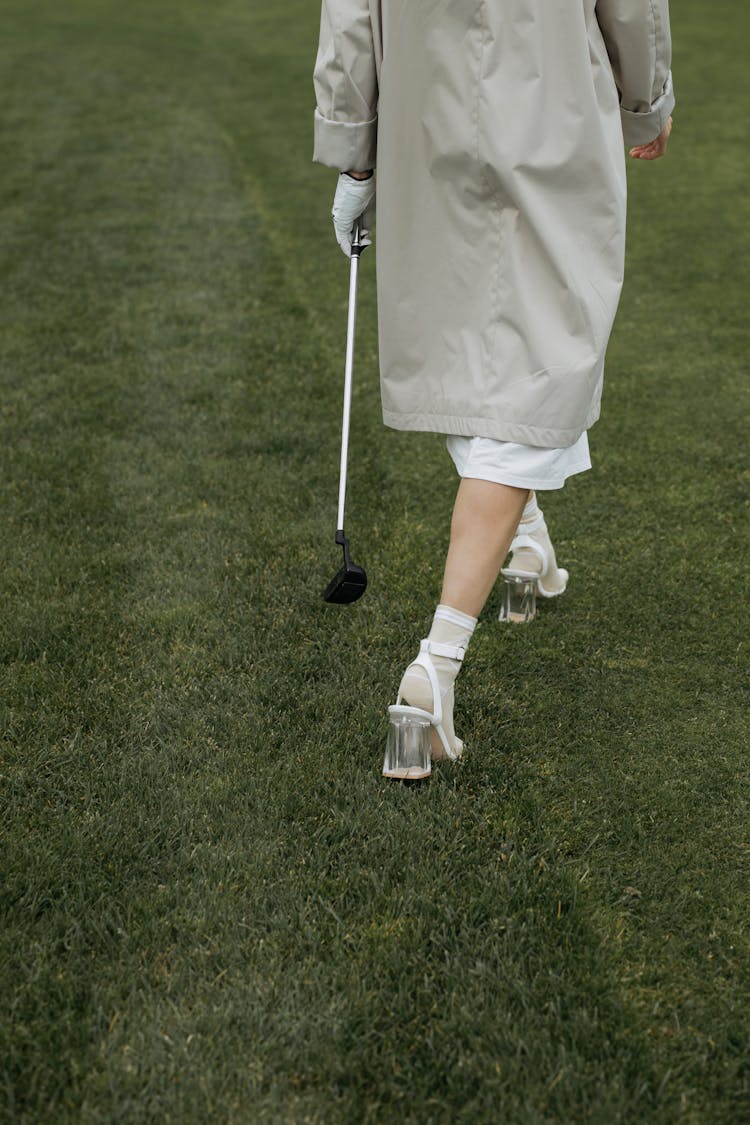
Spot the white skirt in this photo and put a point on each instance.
(522, 466)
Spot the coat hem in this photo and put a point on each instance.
(542, 437)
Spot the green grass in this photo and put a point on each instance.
(214, 909)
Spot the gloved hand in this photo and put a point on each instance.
(354, 199)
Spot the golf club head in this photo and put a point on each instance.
(351, 581)
(349, 584)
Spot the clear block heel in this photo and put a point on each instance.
(407, 750)
(416, 734)
(532, 573)
(519, 598)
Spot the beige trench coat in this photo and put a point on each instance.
(497, 130)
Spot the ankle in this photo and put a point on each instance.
(448, 618)
(531, 504)
(532, 511)
(451, 626)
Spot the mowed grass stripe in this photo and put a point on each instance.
(215, 910)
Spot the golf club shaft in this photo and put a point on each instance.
(348, 372)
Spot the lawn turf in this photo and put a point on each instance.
(214, 908)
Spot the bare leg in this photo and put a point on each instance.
(485, 518)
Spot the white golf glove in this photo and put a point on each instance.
(354, 199)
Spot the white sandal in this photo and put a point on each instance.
(524, 582)
(409, 722)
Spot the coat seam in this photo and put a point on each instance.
(654, 47)
(494, 310)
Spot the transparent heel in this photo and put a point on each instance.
(407, 750)
(519, 598)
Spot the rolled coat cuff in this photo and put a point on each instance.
(345, 145)
(640, 128)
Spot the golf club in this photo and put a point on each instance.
(351, 581)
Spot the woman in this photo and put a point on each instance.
(497, 130)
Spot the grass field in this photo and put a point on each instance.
(214, 908)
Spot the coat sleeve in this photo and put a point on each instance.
(639, 44)
(346, 87)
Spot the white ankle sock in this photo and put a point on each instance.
(532, 509)
(450, 627)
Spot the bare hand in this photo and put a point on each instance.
(654, 149)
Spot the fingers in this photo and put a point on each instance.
(650, 151)
(646, 152)
(654, 149)
(344, 239)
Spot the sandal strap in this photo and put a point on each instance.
(437, 648)
(525, 541)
